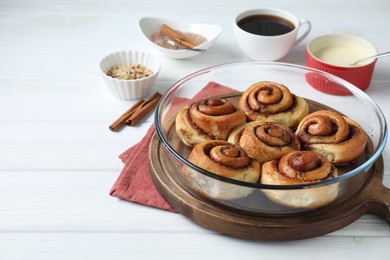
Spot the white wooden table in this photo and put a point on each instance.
(58, 160)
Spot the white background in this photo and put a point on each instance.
(58, 160)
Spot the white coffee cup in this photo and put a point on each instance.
(260, 47)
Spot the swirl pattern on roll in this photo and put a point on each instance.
(306, 166)
(207, 119)
(224, 159)
(265, 141)
(297, 168)
(273, 102)
(339, 138)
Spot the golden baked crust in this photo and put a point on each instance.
(300, 167)
(207, 119)
(265, 141)
(224, 159)
(339, 138)
(268, 101)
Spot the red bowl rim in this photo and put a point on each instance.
(336, 67)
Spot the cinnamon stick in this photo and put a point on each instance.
(178, 36)
(125, 116)
(144, 109)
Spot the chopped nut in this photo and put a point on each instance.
(135, 71)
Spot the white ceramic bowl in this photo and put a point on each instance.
(150, 25)
(134, 88)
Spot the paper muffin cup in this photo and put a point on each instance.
(130, 89)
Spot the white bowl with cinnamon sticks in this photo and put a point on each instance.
(178, 40)
(129, 74)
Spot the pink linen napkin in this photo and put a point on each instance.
(134, 182)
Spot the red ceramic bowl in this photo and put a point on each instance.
(334, 53)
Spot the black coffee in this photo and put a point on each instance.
(267, 25)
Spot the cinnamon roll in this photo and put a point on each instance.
(207, 119)
(273, 102)
(300, 167)
(224, 159)
(337, 137)
(265, 141)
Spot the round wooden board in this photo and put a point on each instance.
(374, 198)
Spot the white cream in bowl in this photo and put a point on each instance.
(341, 50)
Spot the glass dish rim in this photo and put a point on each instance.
(355, 90)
